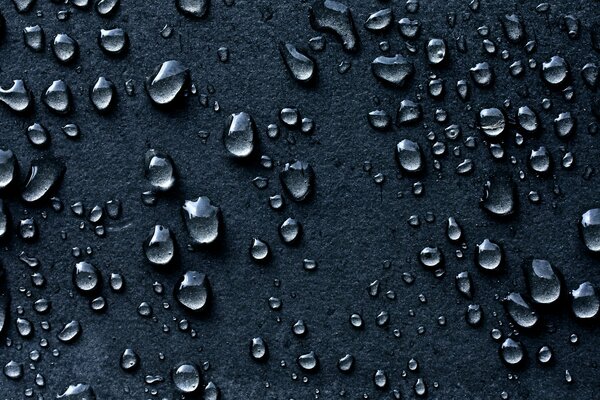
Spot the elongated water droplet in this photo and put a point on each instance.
(44, 176)
(17, 97)
(300, 65)
(159, 170)
(335, 17)
(240, 135)
(297, 179)
(202, 219)
(168, 82)
(159, 247)
(58, 97)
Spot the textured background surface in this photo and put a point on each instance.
(351, 226)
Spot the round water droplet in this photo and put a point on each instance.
(258, 349)
(584, 301)
(555, 72)
(113, 41)
(499, 197)
(308, 361)
(129, 360)
(489, 255)
(186, 378)
(409, 156)
(86, 277)
(297, 179)
(543, 281)
(512, 352)
(290, 230)
(38, 135)
(259, 250)
(492, 122)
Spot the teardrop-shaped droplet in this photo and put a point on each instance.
(129, 360)
(44, 176)
(192, 291)
(543, 281)
(300, 65)
(584, 301)
(102, 94)
(308, 361)
(202, 219)
(38, 135)
(240, 135)
(474, 315)
(58, 97)
(297, 179)
(17, 97)
(258, 349)
(513, 27)
(346, 363)
(527, 119)
(159, 247)
(34, 37)
(520, 310)
(540, 161)
(69, 332)
(335, 17)
(168, 82)
(193, 8)
(489, 255)
(290, 230)
(65, 48)
(159, 170)
(394, 70)
(259, 250)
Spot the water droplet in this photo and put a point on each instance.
(543, 281)
(34, 37)
(499, 198)
(335, 17)
(17, 97)
(297, 179)
(38, 135)
(168, 82)
(159, 170)
(308, 361)
(436, 51)
(13, 370)
(380, 20)
(102, 94)
(192, 291)
(44, 176)
(464, 284)
(489, 255)
(346, 363)
(80, 391)
(258, 349)
(65, 48)
(113, 41)
(380, 119)
(86, 277)
(520, 310)
(58, 97)
(203, 220)
(290, 230)
(512, 352)
(300, 65)
(193, 8)
(159, 247)
(474, 315)
(584, 301)
(106, 7)
(392, 70)
(544, 354)
(409, 156)
(69, 332)
(129, 360)
(589, 228)
(240, 135)
(556, 71)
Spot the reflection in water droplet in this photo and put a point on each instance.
(58, 97)
(168, 82)
(332, 16)
(240, 135)
(192, 291)
(202, 219)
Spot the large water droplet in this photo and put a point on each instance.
(409, 156)
(297, 179)
(17, 97)
(8, 168)
(65, 48)
(499, 197)
(192, 291)
(489, 255)
(159, 247)
(86, 277)
(193, 8)
(240, 136)
(102, 94)
(335, 17)
(113, 41)
(202, 219)
(44, 176)
(186, 378)
(69, 332)
(168, 82)
(512, 352)
(584, 301)
(589, 227)
(543, 281)
(159, 170)
(58, 97)
(301, 66)
(519, 310)
(393, 70)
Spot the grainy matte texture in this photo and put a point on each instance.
(350, 226)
